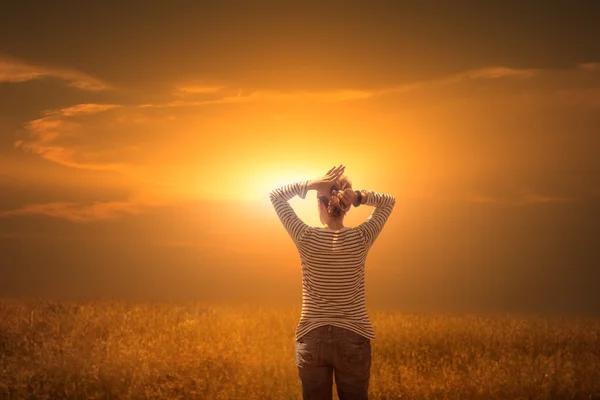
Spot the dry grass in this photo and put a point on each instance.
(92, 350)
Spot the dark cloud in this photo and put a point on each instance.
(311, 46)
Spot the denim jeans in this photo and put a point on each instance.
(329, 350)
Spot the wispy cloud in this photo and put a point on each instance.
(269, 96)
(499, 73)
(227, 95)
(106, 137)
(534, 198)
(591, 66)
(198, 89)
(486, 73)
(222, 94)
(15, 71)
(518, 200)
(80, 109)
(83, 212)
(45, 132)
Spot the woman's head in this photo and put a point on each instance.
(330, 206)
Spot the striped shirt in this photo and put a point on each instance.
(333, 262)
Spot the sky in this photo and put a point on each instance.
(139, 144)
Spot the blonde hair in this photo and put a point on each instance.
(331, 201)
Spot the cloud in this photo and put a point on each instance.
(104, 137)
(269, 96)
(486, 73)
(15, 71)
(45, 136)
(81, 109)
(498, 73)
(222, 94)
(83, 212)
(198, 89)
(148, 143)
(591, 66)
(533, 198)
(518, 200)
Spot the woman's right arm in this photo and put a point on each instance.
(384, 204)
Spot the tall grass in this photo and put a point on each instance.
(98, 350)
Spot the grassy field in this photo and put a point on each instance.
(98, 350)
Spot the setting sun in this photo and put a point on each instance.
(155, 153)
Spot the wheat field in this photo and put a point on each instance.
(127, 350)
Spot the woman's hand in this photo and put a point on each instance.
(324, 184)
(347, 196)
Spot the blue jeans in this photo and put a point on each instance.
(330, 349)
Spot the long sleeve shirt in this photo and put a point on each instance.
(333, 262)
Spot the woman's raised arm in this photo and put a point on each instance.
(384, 204)
(279, 197)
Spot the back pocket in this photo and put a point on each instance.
(356, 355)
(307, 352)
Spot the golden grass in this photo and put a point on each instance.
(98, 350)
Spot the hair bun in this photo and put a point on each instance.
(334, 200)
(335, 206)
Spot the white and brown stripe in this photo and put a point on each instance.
(333, 262)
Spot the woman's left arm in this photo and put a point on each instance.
(292, 223)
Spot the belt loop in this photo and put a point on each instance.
(329, 328)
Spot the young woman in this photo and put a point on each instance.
(334, 334)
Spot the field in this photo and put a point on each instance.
(99, 350)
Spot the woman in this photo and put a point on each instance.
(334, 334)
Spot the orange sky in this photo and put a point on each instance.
(123, 152)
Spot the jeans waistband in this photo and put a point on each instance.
(333, 332)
